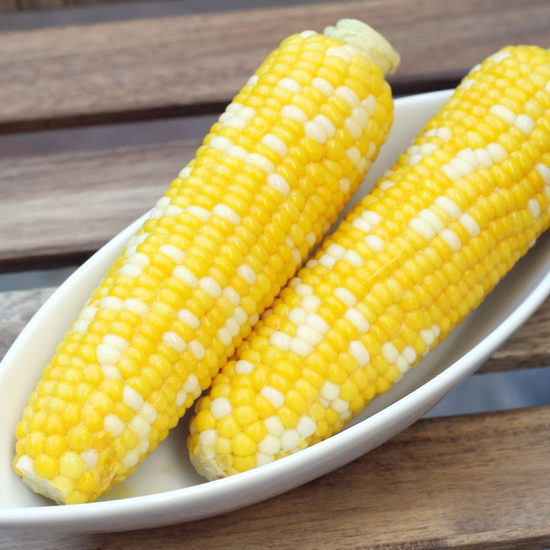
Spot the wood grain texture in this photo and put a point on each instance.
(171, 66)
(475, 482)
(58, 209)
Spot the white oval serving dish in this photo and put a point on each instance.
(166, 489)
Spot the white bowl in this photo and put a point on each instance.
(166, 489)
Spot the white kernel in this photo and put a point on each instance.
(232, 295)
(336, 250)
(311, 239)
(197, 349)
(290, 440)
(90, 458)
(432, 219)
(311, 304)
(224, 336)
(428, 336)
(309, 335)
(172, 252)
(237, 151)
(233, 327)
(247, 273)
(115, 341)
(330, 391)
(345, 296)
(130, 460)
(354, 155)
(402, 365)
(80, 326)
(470, 224)
(306, 426)
(247, 113)
(452, 173)
(324, 86)
(317, 323)
(131, 270)
(497, 151)
(315, 131)
(348, 95)
(199, 212)
(227, 213)
(449, 206)
(389, 351)
(270, 445)
(254, 318)
(280, 340)
(181, 397)
(353, 258)
(300, 347)
(274, 426)
(339, 51)
(175, 341)
(234, 121)
(208, 438)
(221, 407)
(340, 405)
(544, 172)
(148, 412)
(173, 211)
(113, 424)
(307, 34)
(110, 372)
(210, 286)
(242, 366)
(275, 397)
(462, 167)
(278, 183)
(503, 113)
(359, 352)
(191, 384)
(327, 260)
(371, 217)
(499, 56)
(304, 290)
(132, 398)
(140, 427)
(375, 243)
(294, 113)
(353, 127)
(240, 315)
(233, 107)
(422, 228)
(534, 207)
(107, 355)
(414, 159)
(345, 185)
(88, 313)
(355, 317)
(186, 172)
(111, 302)
(190, 319)
(326, 124)
(386, 184)
(259, 161)
(525, 123)
(452, 239)
(483, 158)
(185, 275)
(360, 116)
(409, 353)
(275, 143)
(221, 143)
(262, 459)
(468, 156)
(363, 225)
(298, 316)
(369, 103)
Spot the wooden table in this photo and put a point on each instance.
(101, 106)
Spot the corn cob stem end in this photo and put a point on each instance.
(366, 41)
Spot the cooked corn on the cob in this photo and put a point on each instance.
(461, 206)
(272, 176)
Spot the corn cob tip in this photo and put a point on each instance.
(367, 41)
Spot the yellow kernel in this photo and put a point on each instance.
(79, 438)
(71, 465)
(228, 427)
(55, 445)
(87, 482)
(288, 417)
(245, 415)
(205, 420)
(244, 463)
(243, 445)
(46, 466)
(257, 431)
(34, 444)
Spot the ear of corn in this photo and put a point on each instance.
(272, 176)
(461, 206)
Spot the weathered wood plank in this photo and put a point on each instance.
(424, 489)
(171, 66)
(58, 209)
